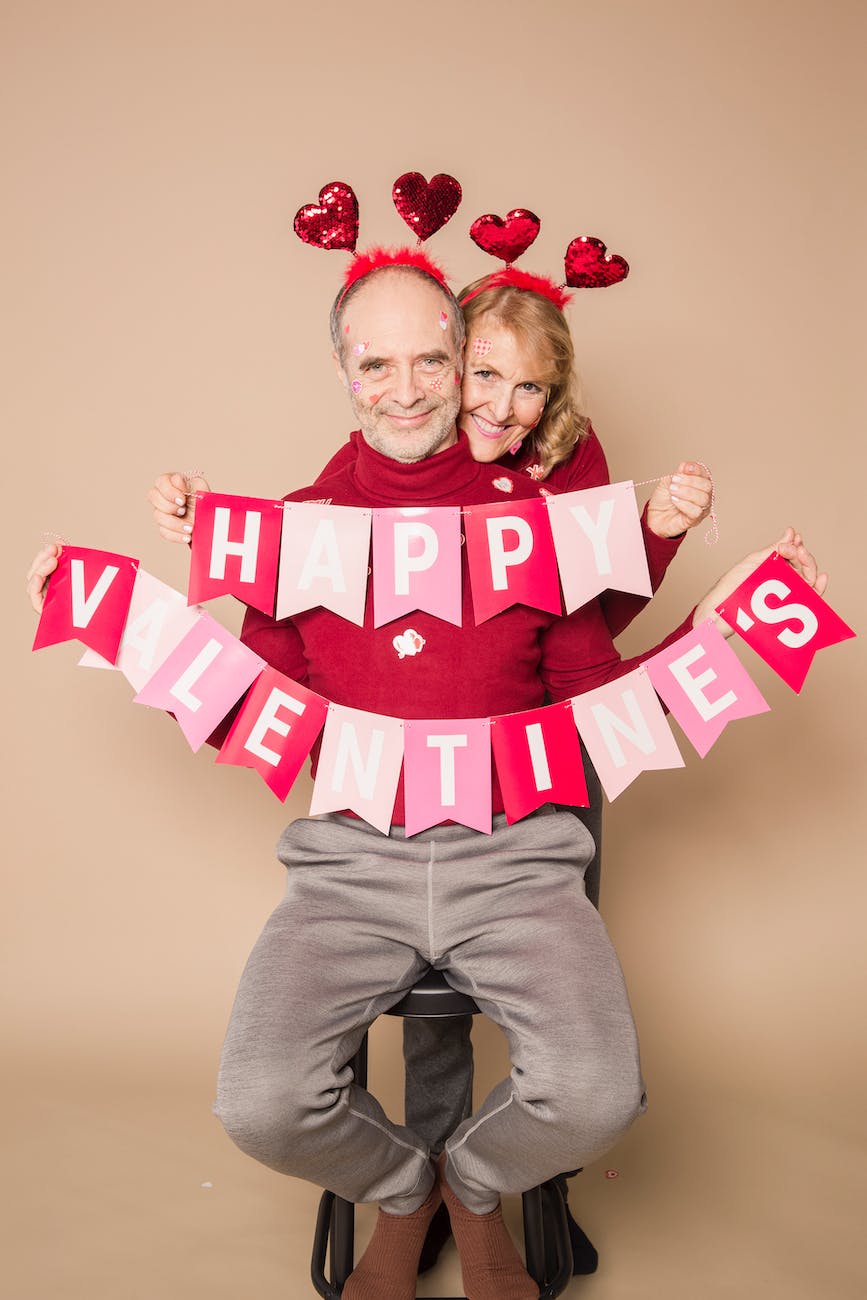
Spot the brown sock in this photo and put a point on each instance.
(491, 1267)
(388, 1269)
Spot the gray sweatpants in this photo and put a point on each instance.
(506, 918)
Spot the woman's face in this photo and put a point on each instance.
(504, 390)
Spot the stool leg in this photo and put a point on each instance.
(534, 1234)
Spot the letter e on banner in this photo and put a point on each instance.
(538, 759)
(235, 549)
(88, 600)
(275, 730)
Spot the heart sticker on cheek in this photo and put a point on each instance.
(444, 320)
(359, 348)
(482, 347)
(356, 386)
(436, 383)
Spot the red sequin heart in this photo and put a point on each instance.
(589, 266)
(333, 222)
(426, 206)
(506, 239)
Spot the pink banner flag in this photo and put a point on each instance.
(359, 765)
(274, 730)
(447, 773)
(625, 731)
(782, 618)
(538, 757)
(159, 617)
(597, 534)
(88, 599)
(324, 559)
(205, 674)
(511, 557)
(417, 563)
(235, 549)
(705, 685)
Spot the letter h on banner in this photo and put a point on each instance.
(235, 549)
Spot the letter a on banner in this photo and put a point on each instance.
(782, 618)
(447, 773)
(704, 684)
(201, 679)
(417, 563)
(511, 557)
(158, 619)
(275, 730)
(88, 600)
(597, 534)
(359, 765)
(235, 549)
(323, 560)
(625, 731)
(538, 757)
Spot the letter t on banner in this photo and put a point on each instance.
(774, 595)
(88, 600)
(275, 730)
(447, 774)
(235, 549)
(538, 757)
(625, 731)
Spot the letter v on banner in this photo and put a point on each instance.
(511, 556)
(88, 600)
(538, 757)
(235, 549)
(275, 730)
(625, 731)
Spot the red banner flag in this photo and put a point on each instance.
(88, 599)
(511, 557)
(783, 619)
(235, 549)
(275, 730)
(538, 757)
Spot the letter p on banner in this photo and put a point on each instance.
(783, 619)
(88, 600)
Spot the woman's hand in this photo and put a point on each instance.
(680, 500)
(39, 572)
(173, 497)
(790, 546)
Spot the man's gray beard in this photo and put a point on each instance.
(395, 446)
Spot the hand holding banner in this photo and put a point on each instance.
(88, 600)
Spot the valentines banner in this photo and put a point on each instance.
(704, 684)
(447, 773)
(538, 757)
(323, 559)
(511, 557)
(88, 599)
(202, 678)
(235, 549)
(359, 765)
(782, 618)
(275, 730)
(597, 535)
(158, 619)
(625, 731)
(417, 563)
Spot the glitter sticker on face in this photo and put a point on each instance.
(457, 379)
(482, 347)
(360, 348)
(436, 383)
(346, 328)
(356, 386)
(444, 320)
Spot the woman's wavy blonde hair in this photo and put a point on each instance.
(540, 326)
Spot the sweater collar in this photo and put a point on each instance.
(436, 478)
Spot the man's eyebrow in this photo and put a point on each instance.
(438, 354)
(372, 361)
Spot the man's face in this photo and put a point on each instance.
(400, 366)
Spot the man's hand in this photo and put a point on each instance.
(174, 501)
(680, 500)
(39, 572)
(790, 546)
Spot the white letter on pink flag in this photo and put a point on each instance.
(247, 548)
(359, 765)
(599, 717)
(447, 773)
(323, 560)
(159, 617)
(417, 563)
(597, 536)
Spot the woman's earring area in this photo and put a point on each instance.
(516, 447)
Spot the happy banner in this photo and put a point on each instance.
(417, 563)
(323, 559)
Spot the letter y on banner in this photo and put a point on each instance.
(597, 533)
(235, 549)
(783, 619)
(88, 599)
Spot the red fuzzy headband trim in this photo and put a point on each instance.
(513, 278)
(374, 259)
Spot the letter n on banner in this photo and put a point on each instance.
(447, 773)
(704, 684)
(511, 556)
(159, 617)
(88, 600)
(359, 765)
(417, 563)
(625, 731)
(235, 549)
(782, 618)
(597, 533)
(538, 757)
(323, 560)
(275, 730)
(201, 679)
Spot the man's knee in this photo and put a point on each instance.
(269, 1122)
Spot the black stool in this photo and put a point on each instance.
(546, 1233)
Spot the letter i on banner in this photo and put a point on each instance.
(597, 533)
(782, 618)
(275, 730)
(704, 684)
(447, 773)
(235, 549)
(511, 557)
(88, 600)
(538, 757)
(359, 765)
(625, 731)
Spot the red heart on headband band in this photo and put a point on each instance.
(426, 206)
(333, 222)
(589, 266)
(506, 239)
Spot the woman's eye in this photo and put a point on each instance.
(531, 388)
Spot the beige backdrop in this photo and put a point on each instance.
(161, 314)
